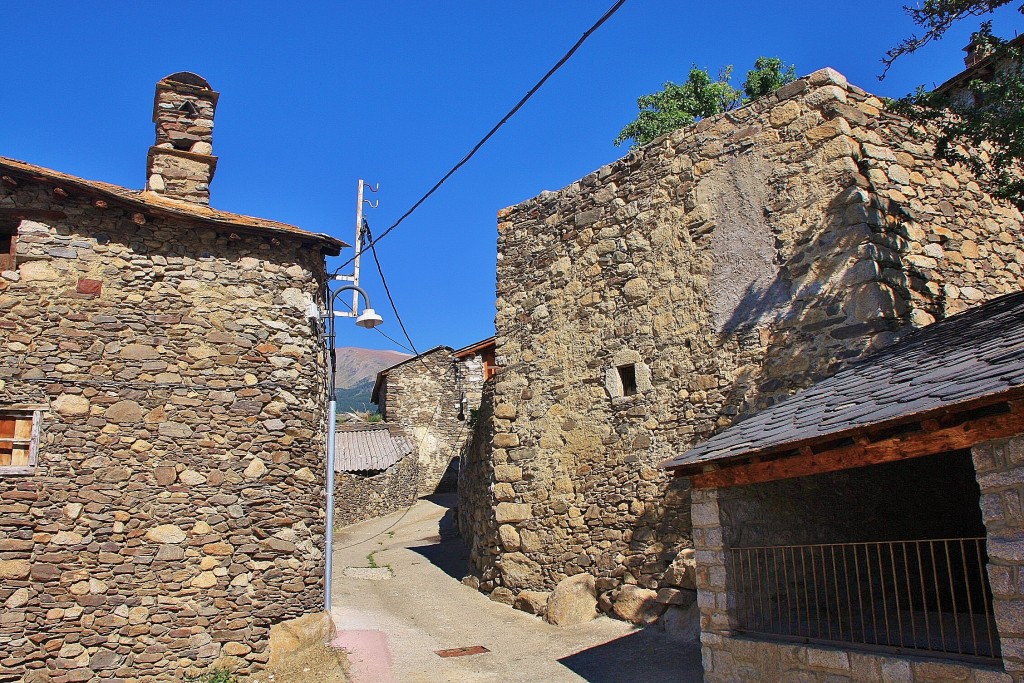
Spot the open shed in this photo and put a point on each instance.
(872, 525)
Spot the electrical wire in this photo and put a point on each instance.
(387, 290)
(384, 334)
(558, 65)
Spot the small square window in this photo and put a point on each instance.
(19, 440)
(627, 376)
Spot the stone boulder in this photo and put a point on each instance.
(637, 605)
(291, 638)
(683, 570)
(518, 571)
(573, 601)
(682, 623)
(531, 602)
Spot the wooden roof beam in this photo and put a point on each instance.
(929, 441)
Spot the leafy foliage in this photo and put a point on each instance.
(982, 126)
(768, 75)
(215, 675)
(678, 105)
(936, 17)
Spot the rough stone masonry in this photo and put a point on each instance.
(697, 280)
(176, 509)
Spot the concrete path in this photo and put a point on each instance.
(393, 619)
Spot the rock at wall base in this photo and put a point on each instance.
(292, 637)
(573, 601)
(532, 602)
(682, 623)
(637, 605)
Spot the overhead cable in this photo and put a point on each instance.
(558, 65)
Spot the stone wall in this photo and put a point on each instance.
(359, 497)
(722, 267)
(742, 660)
(422, 397)
(1000, 471)
(477, 488)
(176, 511)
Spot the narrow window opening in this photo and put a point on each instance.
(627, 376)
(8, 244)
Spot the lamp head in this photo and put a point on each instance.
(369, 319)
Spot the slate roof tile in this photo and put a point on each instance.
(969, 356)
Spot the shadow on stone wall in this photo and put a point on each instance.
(815, 317)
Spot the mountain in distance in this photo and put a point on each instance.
(356, 372)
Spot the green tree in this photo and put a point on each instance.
(678, 105)
(985, 131)
(767, 76)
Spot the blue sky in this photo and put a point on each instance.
(315, 95)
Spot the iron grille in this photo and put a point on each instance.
(925, 596)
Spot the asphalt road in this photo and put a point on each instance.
(395, 617)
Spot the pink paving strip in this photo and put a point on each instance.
(368, 653)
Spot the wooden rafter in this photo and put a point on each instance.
(925, 437)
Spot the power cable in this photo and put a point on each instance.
(384, 334)
(558, 65)
(387, 290)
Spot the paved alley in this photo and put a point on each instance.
(398, 600)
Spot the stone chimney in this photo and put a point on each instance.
(181, 163)
(978, 50)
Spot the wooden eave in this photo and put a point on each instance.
(13, 172)
(982, 70)
(474, 348)
(949, 428)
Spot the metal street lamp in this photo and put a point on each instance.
(367, 319)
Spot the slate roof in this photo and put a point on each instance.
(369, 447)
(375, 394)
(965, 358)
(145, 201)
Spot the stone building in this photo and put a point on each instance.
(161, 417)
(432, 399)
(703, 277)
(376, 472)
(917, 450)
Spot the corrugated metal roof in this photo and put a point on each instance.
(967, 357)
(368, 448)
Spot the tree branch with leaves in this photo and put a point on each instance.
(981, 123)
(678, 105)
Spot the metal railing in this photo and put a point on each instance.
(926, 596)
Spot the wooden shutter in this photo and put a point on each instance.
(22, 451)
(18, 436)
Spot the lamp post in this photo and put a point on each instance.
(368, 319)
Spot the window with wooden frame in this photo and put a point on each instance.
(19, 440)
(8, 243)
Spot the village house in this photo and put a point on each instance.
(915, 573)
(429, 404)
(376, 472)
(700, 279)
(162, 412)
